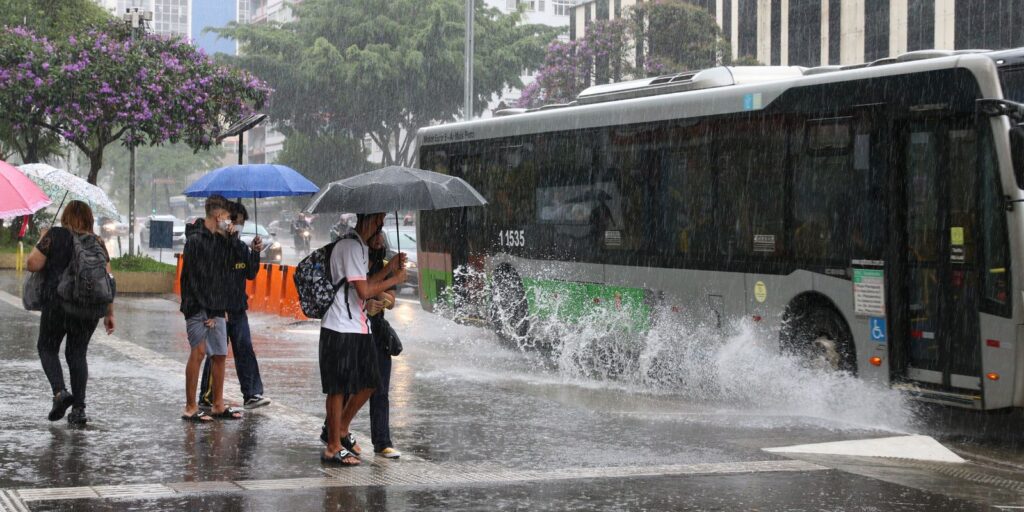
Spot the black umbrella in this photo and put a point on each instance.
(395, 188)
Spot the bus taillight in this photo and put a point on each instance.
(875, 361)
(992, 376)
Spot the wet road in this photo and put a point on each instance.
(482, 426)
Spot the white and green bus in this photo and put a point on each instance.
(868, 216)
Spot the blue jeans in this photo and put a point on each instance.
(246, 367)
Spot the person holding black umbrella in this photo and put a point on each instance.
(349, 371)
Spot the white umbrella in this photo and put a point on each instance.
(60, 183)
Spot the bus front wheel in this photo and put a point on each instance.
(508, 304)
(820, 337)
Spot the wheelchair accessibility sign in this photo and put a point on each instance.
(877, 325)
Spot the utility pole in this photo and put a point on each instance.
(135, 19)
(468, 114)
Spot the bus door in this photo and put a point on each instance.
(937, 325)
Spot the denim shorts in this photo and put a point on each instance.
(216, 337)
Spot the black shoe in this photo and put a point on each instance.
(77, 417)
(61, 402)
(323, 435)
(256, 401)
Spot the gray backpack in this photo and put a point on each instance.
(85, 287)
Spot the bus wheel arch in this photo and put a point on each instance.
(814, 329)
(509, 310)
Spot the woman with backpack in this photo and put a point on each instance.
(67, 255)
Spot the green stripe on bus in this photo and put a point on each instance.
(433, 281)
(572, 302)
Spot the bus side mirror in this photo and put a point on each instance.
(1017, 153)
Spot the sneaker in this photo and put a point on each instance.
(61, 402)
(256, 401)
(77, 417)
(389, 453)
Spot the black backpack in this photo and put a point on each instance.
(315, 284)
(86, 288)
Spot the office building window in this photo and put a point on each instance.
(562, 7)
(747, 28)
(989, 24)
(920, 24)
(834, 27)
(804, 32)
(876, 30)
(776, 13)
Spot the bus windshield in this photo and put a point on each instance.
(1013, 83)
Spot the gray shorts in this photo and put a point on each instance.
(216, 337)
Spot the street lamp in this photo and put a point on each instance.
(136, 20)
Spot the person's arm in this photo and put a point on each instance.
(253, 265)
(368, 290)
(36, 260)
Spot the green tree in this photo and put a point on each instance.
(677, 36)
(382, 69)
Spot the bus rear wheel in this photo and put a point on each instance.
(509, 309)
(820, 337)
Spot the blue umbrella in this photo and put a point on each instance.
(252, 180)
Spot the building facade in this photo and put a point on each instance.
(843, 32)
(190, 19)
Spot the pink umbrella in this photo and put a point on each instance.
(18, 195)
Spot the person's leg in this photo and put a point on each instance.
(351, 408)
(195, 359)
(79, 333)
(217, 381)
(380, 431)
(51, 334)
(205, 391)
(334, 407)
(246, 366)
(197, 332)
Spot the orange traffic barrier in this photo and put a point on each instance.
(177, 274)
(274, 296)
(258, 299)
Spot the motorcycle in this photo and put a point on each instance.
(303, 240)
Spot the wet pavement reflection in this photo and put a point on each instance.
(459, 397)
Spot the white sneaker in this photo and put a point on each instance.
(389, 453)
(256, 401)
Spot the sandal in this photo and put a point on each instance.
(349, 443)
(340, 458)
(229, 413)
(197, 417)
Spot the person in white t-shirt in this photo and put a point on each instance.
(349, 371)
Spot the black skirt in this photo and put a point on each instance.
(348, 362)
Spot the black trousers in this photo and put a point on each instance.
(54, 326)
(380, 405)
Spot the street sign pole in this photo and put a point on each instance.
(468, 109)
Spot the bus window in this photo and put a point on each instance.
(564, 201)
(837, 205)
(751, 190)
(995, 267)
(633, 173)
(688, 181)
(1013, 83)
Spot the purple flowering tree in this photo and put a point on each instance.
(25, 62)
(103, 86)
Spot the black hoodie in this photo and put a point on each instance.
(206, 275)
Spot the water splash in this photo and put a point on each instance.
(736, 368)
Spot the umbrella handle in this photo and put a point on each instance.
(61, 205)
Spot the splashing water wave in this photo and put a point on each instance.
(736, 367)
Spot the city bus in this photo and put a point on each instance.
(867, 216)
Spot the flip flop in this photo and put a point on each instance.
(339, 458)
(197, 417)
(227, 414)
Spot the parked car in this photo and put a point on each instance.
(178, 232)
(407, 237)
(272, 251)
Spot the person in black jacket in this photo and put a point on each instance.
(244, 268)
(206, 284)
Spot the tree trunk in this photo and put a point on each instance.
(95, 163)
